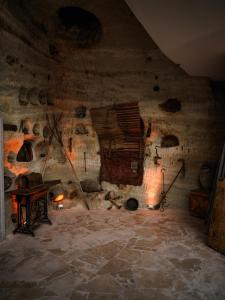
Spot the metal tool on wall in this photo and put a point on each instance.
(156, 158)
(149, 129)
(164, 193)
(85, 163)
(70, 144)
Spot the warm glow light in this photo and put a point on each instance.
(14, 204)
(13, 145)
(153, 184)
(59, 198)
(72, 155)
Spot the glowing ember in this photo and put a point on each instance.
(59, 198)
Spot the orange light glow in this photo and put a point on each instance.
(14, 204)
(71, 155)
(153, 184)
(13, 145)
(59, 198)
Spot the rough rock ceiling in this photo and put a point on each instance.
(191, 33)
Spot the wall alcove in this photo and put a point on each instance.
(25, 153)
(81, 27)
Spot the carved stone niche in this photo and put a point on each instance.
(169, 141)
(25, 153)
(82, 28)
(171, 105)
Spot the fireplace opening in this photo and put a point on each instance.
(25, 153)
(56, 195)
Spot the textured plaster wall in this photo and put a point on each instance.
(123, 67)
(24, 62)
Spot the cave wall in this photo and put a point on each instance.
(122, 69)
(25, 72)
(124, 66)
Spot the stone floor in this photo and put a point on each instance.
(112, 255)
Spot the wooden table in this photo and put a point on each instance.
(32, 209)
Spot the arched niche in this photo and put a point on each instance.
(169, 141)
(80, 26)
(25, 153)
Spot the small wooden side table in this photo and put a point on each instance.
(32, 209)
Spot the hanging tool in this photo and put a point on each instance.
(70, 144)
(156, 158)
(149, 129)
(85, 163)
(164, 194)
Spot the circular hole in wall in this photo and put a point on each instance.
(83, 27)
(156, 88)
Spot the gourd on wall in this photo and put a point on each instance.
(106, 60)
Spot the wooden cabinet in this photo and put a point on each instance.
(216, 236)
(198, 203)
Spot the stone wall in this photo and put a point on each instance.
(124, 66)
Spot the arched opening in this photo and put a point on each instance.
(25, 153)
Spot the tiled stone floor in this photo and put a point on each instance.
(114, 254)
